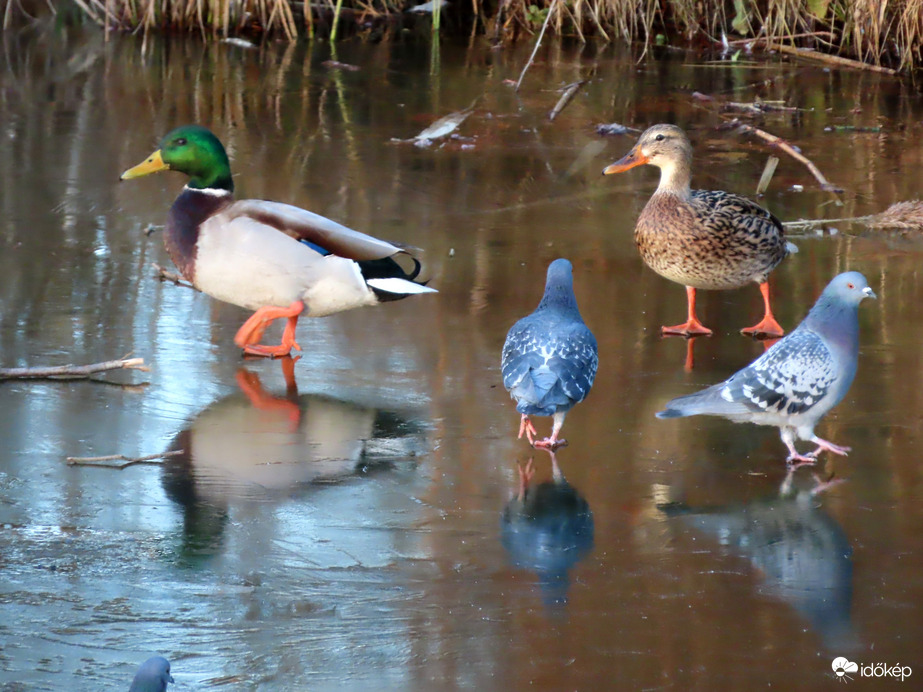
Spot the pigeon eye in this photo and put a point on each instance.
(659, 138)
(850, 285)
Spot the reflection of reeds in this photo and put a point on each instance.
(873, 31)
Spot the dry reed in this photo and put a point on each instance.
(872, 31)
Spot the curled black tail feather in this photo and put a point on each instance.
(389, 268)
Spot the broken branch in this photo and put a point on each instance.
(71, 372)
(828, 59)
(167, 275)
(791, 151)
(900, 215)
(758, 107)
(569, 92)
(129, 461)
(538, 43)
(764, 39)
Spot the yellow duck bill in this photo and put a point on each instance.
(152, 164)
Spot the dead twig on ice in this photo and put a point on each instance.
(129, 461)
(828, 59)
(166, 275)
(791, 151)
(569, 92)
(904, 216)
(72, 372)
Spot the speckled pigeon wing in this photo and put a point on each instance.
(520, 354)
(789, 378)
(567, 358)
(575, 361)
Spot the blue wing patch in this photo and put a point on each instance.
(317, 248)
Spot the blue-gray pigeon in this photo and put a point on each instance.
(152, 676)
(799, 379)
(549, 358)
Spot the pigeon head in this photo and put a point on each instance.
(849, 288)
(559, 286)
(836, 309)
(152, 676)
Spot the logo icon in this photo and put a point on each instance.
(842, 666)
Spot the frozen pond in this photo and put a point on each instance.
(354, 520)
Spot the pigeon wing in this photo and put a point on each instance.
(788, 379)
(536, 363)
(575, 361)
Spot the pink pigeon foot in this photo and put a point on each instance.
(552, 443)
(526, 428)
(823, 445)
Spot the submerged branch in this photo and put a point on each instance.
(99, 462)
(72, 372)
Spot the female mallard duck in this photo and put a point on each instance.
(274, 258)
(702, 238)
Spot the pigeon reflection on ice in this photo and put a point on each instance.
(547, 529)
(152, 676)
(255, 444)
(801, 552)
(549, 357)
(799, 379)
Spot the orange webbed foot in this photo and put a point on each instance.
(250, 333)
(688, 328)
(767, 328)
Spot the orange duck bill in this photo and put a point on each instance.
(630, 160)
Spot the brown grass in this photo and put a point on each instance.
(878, 32)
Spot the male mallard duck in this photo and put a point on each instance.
(702, 238)
(274, 258)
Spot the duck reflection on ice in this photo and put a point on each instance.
(547, 528)
(803, 555)
(258, 445)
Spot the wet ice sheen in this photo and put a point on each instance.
(348, 532)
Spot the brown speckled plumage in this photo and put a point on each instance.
(711, 239)
(705, 239)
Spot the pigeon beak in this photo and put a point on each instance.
(630, 160)
(867, 292)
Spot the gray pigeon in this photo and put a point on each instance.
(152, 676)
(794, 383)
(549, 358)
